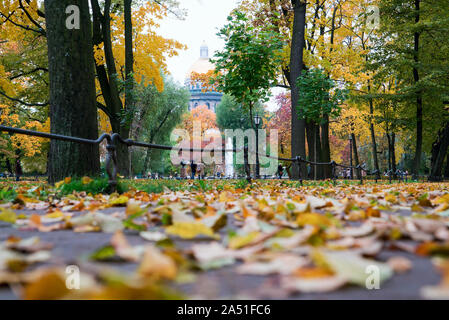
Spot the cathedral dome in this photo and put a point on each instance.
(199, 96)
(202, 65)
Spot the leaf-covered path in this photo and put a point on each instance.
(226, 239)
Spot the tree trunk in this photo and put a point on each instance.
(419, 104)
(373, 134)
(326, 171)
(8, 166)
(439, 152)
(318, 155)
(108, 82)
(356, 155)
(325, 147)
(146, 164)
(298, 144)
(310, 132)
(446, 169)
(129, 69)
(122, 150)
(393, 153)
(73, 108)
(389, 151)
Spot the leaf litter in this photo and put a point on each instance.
(313, 238)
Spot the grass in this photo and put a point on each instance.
(9, 190)
(153, 186)
(96, 186)
(7, 194)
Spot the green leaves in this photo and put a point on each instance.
(318, 96)
(247, 67)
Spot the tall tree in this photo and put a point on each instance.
(319, 99)
(127, 49)
(230, 115)
(247, 66)
(156, 115)
(411, 46)
(419, 102)
(298, 147)
(72, 91)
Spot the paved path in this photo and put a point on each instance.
(70, 248)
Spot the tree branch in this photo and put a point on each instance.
(103, 108)
(23, 102)
(280, 85)
(31, 18)
(8, 18)
(177, 15)
(27, 73)
(39, 13)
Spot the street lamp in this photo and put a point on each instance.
(257, 121)
(350, 156)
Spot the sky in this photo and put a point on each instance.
(203, 21)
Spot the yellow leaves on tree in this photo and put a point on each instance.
(29, 145)
(150, 49)
(206, 79)
(199, 115)
(11, 11)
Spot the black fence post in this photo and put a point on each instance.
(334, 171)
(247, 169)
(298, 162)
(111, 166)
(359, 171)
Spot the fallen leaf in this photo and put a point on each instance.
(399, 264)
(157, 265)
(190, 230)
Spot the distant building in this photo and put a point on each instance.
(211, 99)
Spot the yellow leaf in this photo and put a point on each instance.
(59, 184)
(156, 264)
(237, 242)
(86, 180)
(7, 215)
(371, 212)
(314, 219)
(132, 208)
(67, 180)
(54, 215)
(223, 197)
(189, 230)
(443, 199)
(50, 285)
(390, 198)
(24, 199)
(119, 202)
